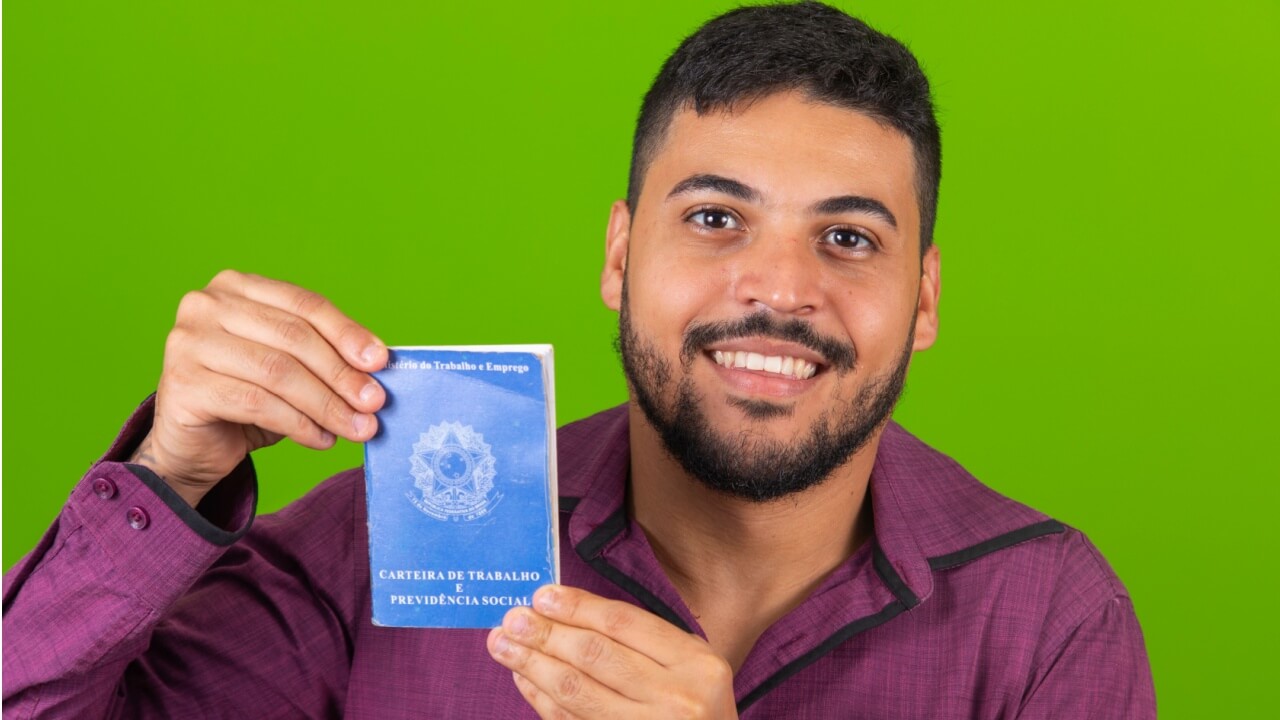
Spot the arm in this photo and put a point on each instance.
(1100, 671)
(145, 563)
(164, 622)
(84, 603)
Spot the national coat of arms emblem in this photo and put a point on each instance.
(454, 469)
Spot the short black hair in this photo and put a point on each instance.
(752, 52)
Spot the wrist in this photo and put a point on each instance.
(149, 456)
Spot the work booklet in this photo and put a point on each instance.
(461, 484)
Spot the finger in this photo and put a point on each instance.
(539, 701)
(562, 684)
(234, 400)
(273, 327)
(629, 625)
(280, 374)
(613, 664)
(360, 347)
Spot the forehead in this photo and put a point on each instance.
(791, 149)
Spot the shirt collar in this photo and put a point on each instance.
(600, 473)
(925, 509)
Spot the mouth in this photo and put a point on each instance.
(782, 366)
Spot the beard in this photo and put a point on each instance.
(741, 463)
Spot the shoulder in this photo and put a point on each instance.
(978, 542)
(948, 509)
(1080, 585)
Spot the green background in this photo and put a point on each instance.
(443, 173)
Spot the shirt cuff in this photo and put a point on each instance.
(149, 548)
(225, 513)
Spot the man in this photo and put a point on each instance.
(750, 535)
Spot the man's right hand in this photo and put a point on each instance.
(252, 360)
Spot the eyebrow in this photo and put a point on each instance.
(829, 206)
(855, 204)
(717, 183)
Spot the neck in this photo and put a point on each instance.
(716, 548)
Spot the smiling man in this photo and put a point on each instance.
(751, 535)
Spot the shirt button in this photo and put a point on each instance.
(138, 519)
(104, 488)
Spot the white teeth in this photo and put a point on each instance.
(780, 364)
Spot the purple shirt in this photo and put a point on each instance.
(964, 605)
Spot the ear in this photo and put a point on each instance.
(615, 255)
(927, 306)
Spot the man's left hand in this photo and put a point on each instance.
(578, 655)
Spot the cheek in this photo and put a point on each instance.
(878, 319)
(664, 304)
(667, 294)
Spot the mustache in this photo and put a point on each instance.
(840, 355)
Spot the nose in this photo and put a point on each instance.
(779, 271)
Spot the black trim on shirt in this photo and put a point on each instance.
(592, 545)
(199, 524)
(589, 550)
(639, 592)
(569, 504)
(892, 579)
(906, 599)
(886, 614)
(999, 542)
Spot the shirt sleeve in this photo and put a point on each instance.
(1099, 672)
(134, 604)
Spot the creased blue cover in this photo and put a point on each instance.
(461, 486)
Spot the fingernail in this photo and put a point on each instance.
(326, 438)
(370, 353)
(501, 645)
(520, 625)
(368, 392)
(546, 599)
(360, 422)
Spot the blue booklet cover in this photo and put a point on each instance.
(461, 483)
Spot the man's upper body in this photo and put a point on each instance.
(963, 604)
(774, 271)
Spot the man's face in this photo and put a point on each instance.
(771, 290)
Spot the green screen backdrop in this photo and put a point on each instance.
(443, 172)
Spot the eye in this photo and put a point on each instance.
(848, 238)
(714, 219)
